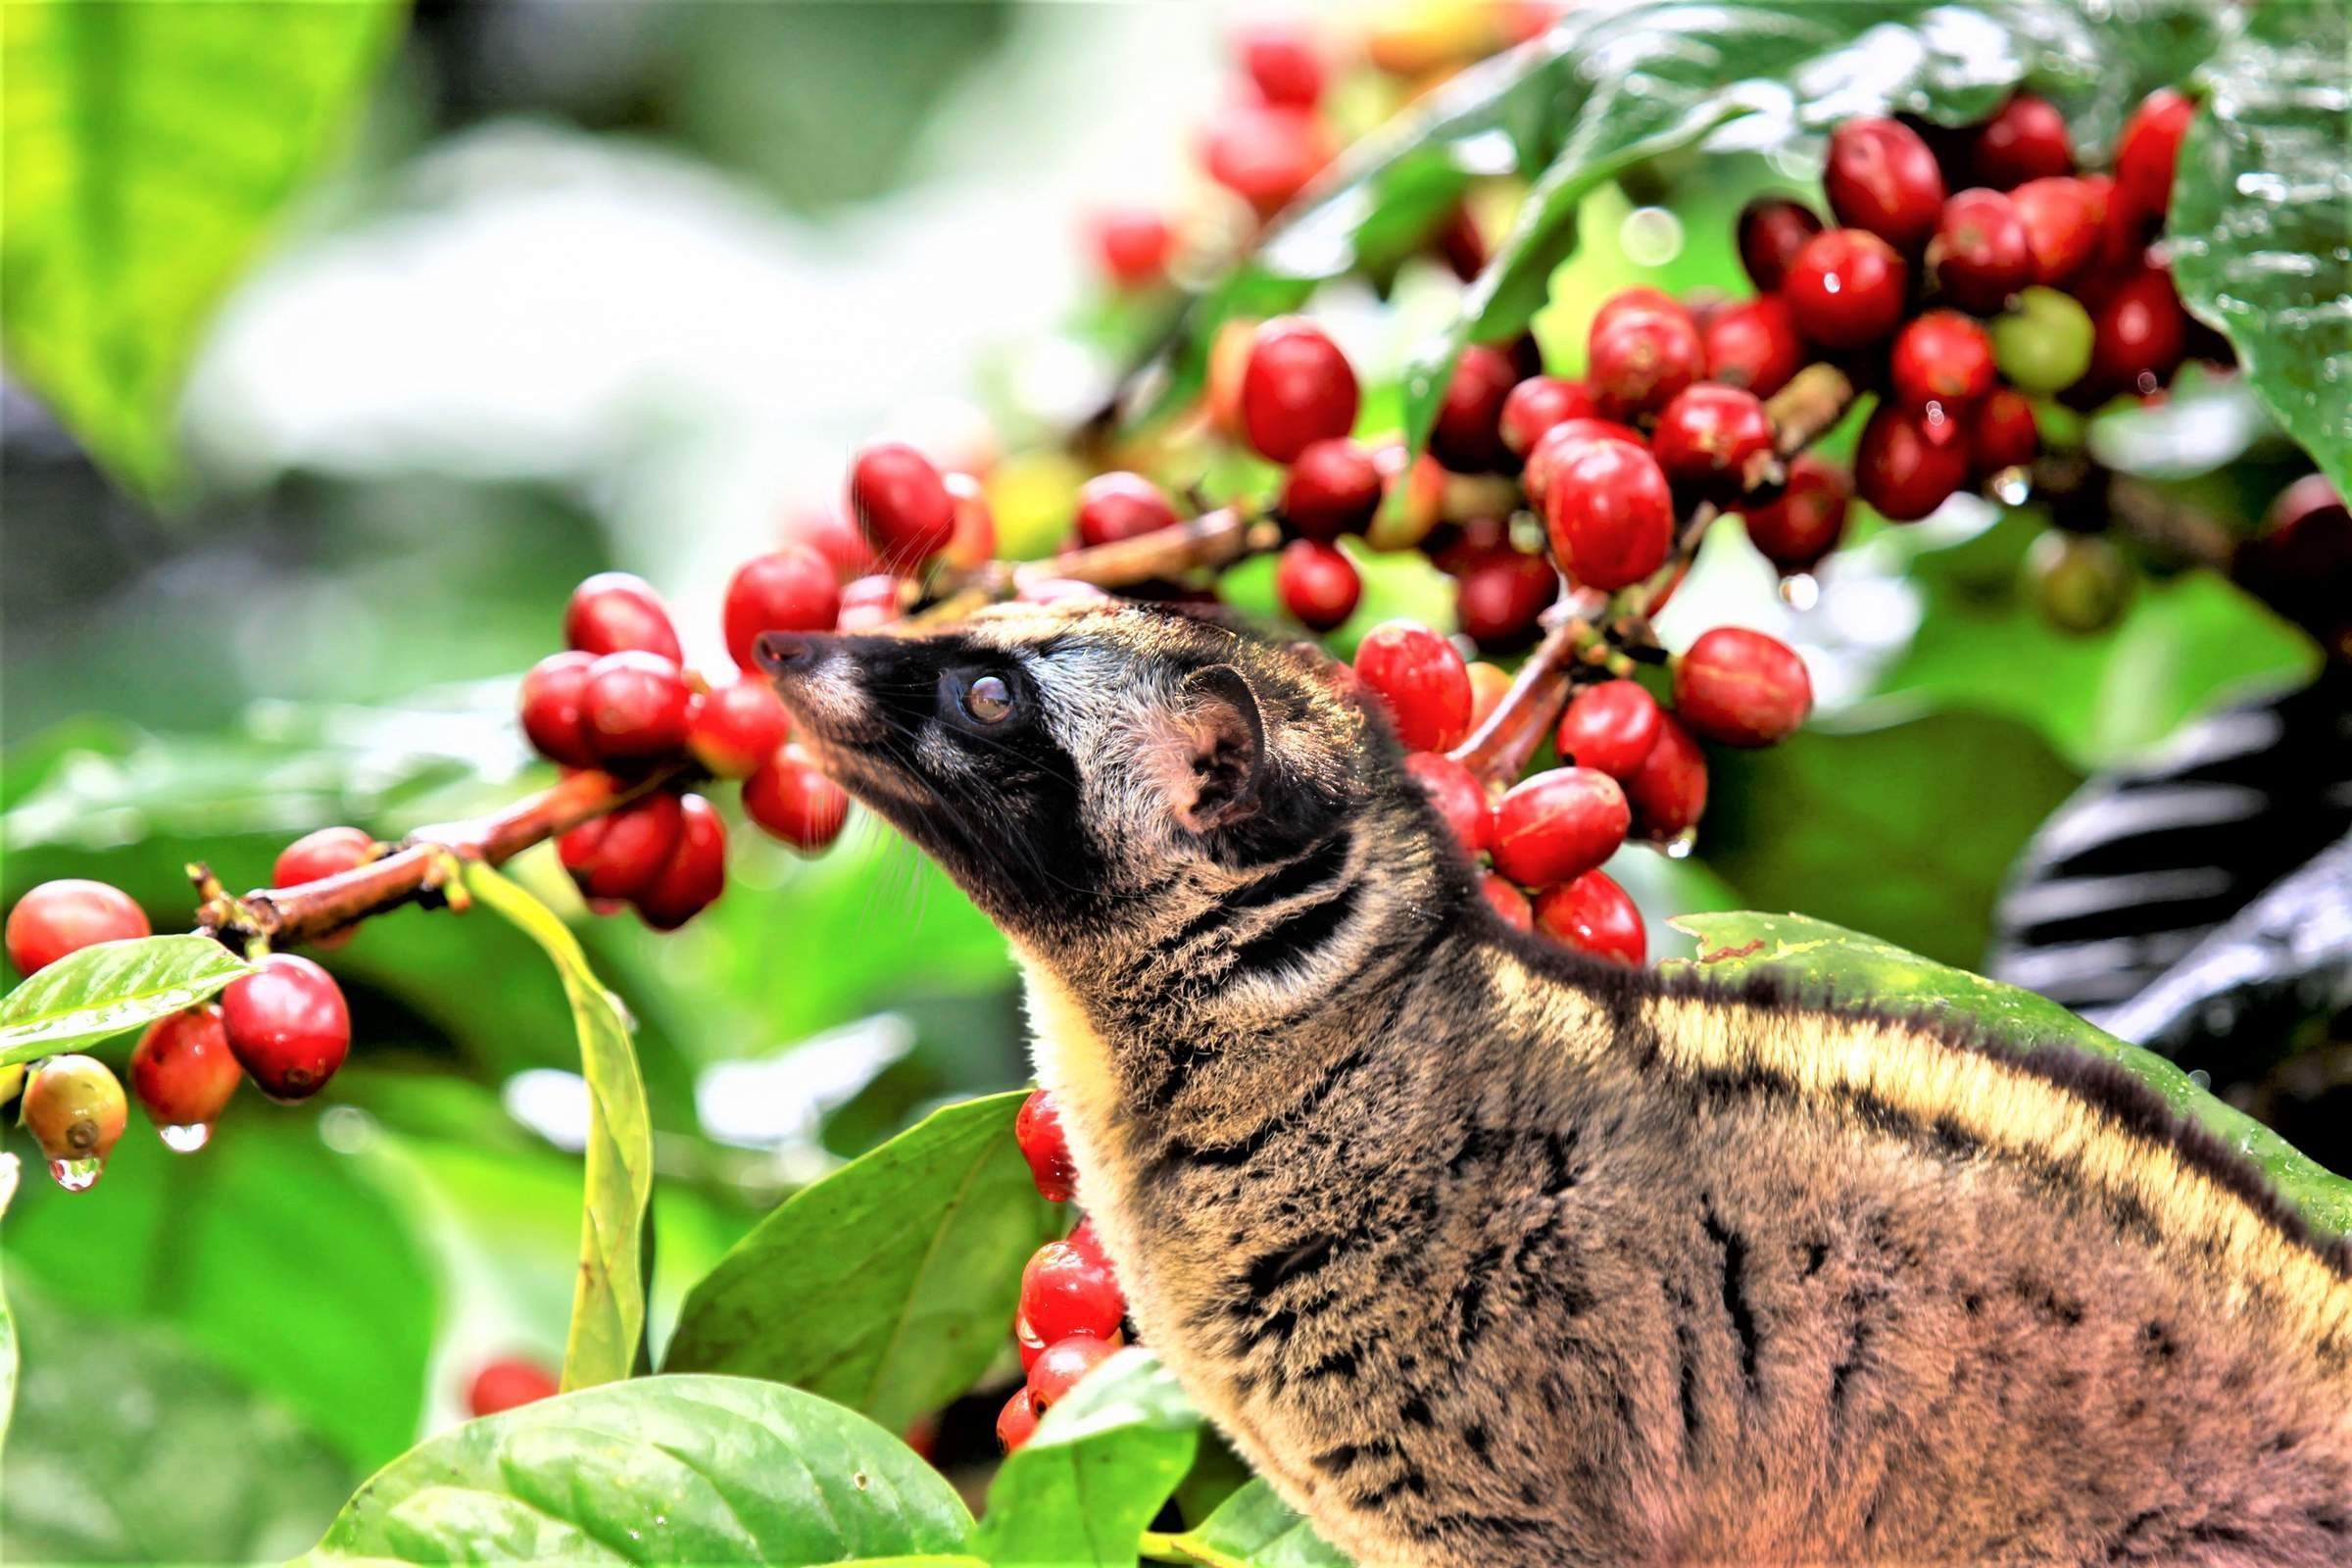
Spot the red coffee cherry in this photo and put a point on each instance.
(1981, 255)
(1771, 230)
(74, 1109)
(697, 872)
(1709, 434)
(871, 603)
(1057, 1371)
(792, 588)
(1499, 596)
(1047, 1148)
(315, 857)
(1806, 519)
(1910, 461)
(1754, 343)
(1334, 487)
(618, 856)
(2062, 219)
(1741, 688)
(1636, 300)
(2300, 564)
(2027, 139)
(1537, 404)
(2002, 433)
(1509, 901)
(1069, 1290)
(1422, 682)
(1610, 515)
(1881, 176)
(1487, 684)
(1611, 727)
(66, 915)
(1016, 1423)
(795, 802)
(1941, 357)
(510, 1382)
(1283, 64)
(1594, 914)
(1564, 439)
(1088, 1240)
(1119, 505)
(901, 502)
(554, 694)
(833, 536)
(1467, 436)
(287, 1025)
(1845, 288)
(634, 705)
(617, 610)
(1668, 792)
(1316, 583)
(1637, 360)
(183, 1069)
(1455, 791)
(1296, 389)
(2150, 151)
(2140, 335)
(736, 727)
(1265, 153)
(1133, 247)
(1556, 825)
(975, 543)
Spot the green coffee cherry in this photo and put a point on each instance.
(2043, 344)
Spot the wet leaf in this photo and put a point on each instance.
(1080, 1493)
(109, 990)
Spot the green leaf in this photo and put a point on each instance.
(2257, 228)
(150, 149)
(886, 1285)
(607, 1308)
(109, 989)
(130, 1448)
(1255, 1528)
(664, 1469)
(1865, 969)
(1103, 1460)
(12, 1171)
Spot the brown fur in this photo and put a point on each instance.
(1485, 1253)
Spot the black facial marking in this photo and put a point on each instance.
(1297, 936)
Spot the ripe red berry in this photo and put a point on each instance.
(1487, 684)
(2002, 433)
(1421, 680)
(1910, 461)
(507, 1382)
(1594, 914)
(1637, 360)
(792, 588)
(832, 535)
(795, 802)
(1467, 435)
(1563, 440)
(1845, 288)
(1741, 688)
(1296, 389)
(975, 543)
(1611, 727)
(1509, 901)
(1047, 1148)
(1333, 488)
(554, 714)
(1016, 1423)
(901, 502)
(1981, 255)
(2139, 334)
(1119, 505)
(1668, 792)
(287, 1025)
(66, 915)
(1265, 153)
(2062, 217)
(1941, 357)
(1538, 402)
(183, 1069)
(1638, 299)
(1317, 583)
(1806, 519)
(615, 611)
(1069, 1290)
(1708, 435)
(74, 1109)
(871, 603)
(1282, 63)
(1754, 343)
(2027, 139)
(326, 852)
(2150, 150)
(2300, 562)
(1881, 176)
(618, 856)
(1501, 594)
(736, 727)
(634, 705)
(1058, 1370)
(1558, 824)
(697, 872)
(1455, 791)
(1610, 515)
(1771, 230)
(1133, 247)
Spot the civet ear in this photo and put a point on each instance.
(1227, 741)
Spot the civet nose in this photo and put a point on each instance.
(784, 652)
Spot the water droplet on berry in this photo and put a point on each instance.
(2011, 486)
(76, 1175)
(187, 1137)
(1800, 590)
(1679, 847)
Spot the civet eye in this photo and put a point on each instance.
(988, 699)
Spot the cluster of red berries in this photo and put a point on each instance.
(1072, 1313)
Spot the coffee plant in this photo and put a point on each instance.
(2008, 252)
